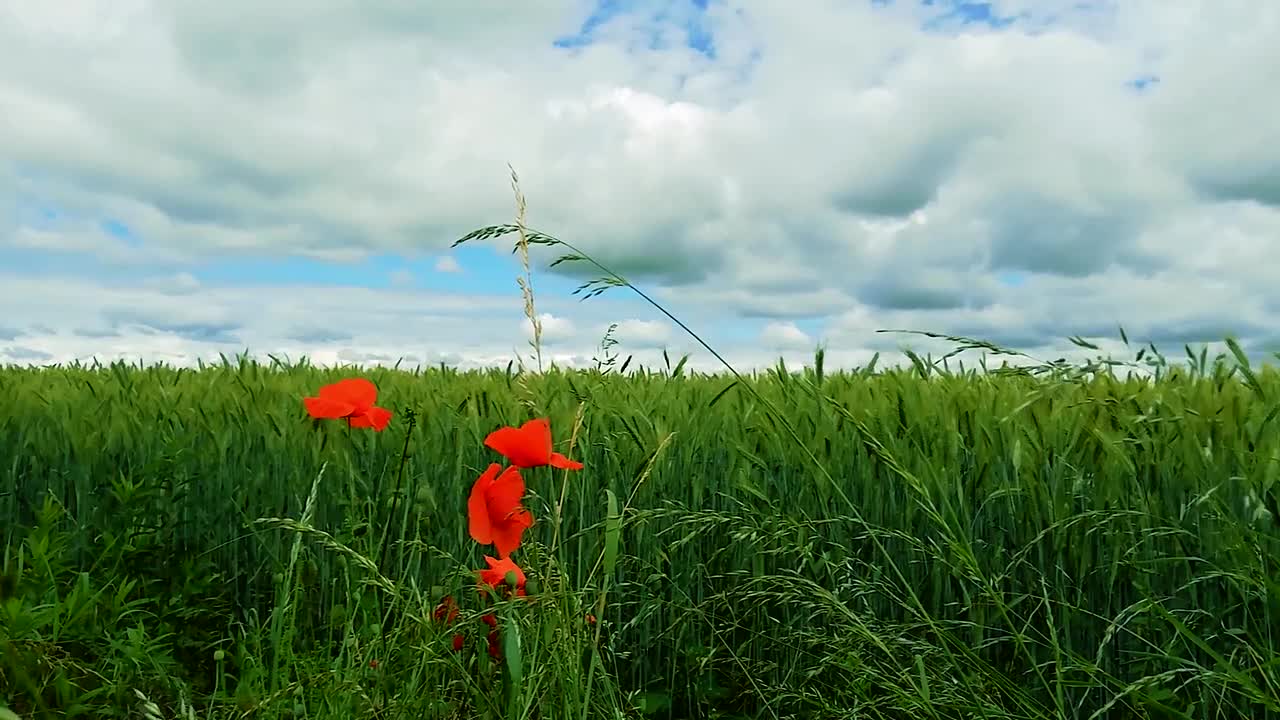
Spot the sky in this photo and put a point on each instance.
(180, 178)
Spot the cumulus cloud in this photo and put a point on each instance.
(643, 333)
(785, 336)
(555, 330)
(854, 165)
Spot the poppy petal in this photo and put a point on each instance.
(491, 576)
(506, 538)
(478, 523)
(375, 417)
(564, 463)
(324, 407)
(519, 516)
(526, 447)
(357, 391)
(447, 611)
(496, 574)
(508, 532)
(504, 494)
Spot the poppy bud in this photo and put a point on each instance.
(493, 644)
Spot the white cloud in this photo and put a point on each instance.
(820, 167)
(555, 330)
(182, 283)
(447, 264)
(643, 333)
(785, 336)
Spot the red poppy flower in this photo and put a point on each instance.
(447, 611)
(353, 399)
(494, 513)
(497, 574)
(494, 651)
(458, 641)
(529, 446)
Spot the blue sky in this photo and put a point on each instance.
(680, 67)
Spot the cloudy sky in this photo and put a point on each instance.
(180, 178)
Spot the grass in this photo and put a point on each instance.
(1043, 541)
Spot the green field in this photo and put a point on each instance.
(936, 542)
(965, 545)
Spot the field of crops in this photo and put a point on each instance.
(877, 545)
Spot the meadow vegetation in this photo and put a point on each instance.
(938, 541)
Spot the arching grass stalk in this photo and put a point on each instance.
(611, 279)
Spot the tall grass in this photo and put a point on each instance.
(1043, 542)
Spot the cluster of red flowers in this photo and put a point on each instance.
(495, 511)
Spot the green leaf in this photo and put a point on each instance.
(512, 655)
(1242, 365)
(612, 533)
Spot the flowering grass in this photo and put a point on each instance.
(286, 541)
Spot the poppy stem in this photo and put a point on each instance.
(564, 484)
(411, 417)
